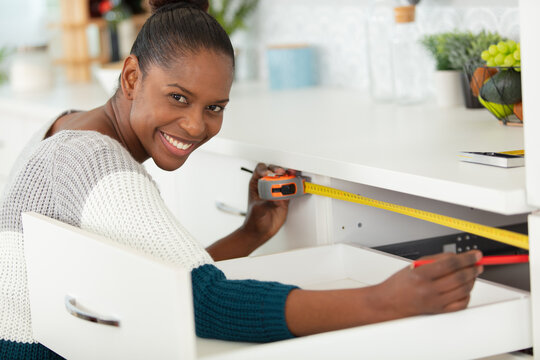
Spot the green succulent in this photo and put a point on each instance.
(461, 57)
(444, 45)
(231, 14)
(455, 50)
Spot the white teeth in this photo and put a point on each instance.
(176, 143)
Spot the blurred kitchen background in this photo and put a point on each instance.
(73, 43)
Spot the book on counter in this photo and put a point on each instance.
(507, 159)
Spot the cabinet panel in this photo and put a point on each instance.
(371, 227)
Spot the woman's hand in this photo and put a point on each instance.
(264, 217)
(263, 220)
(438, 287)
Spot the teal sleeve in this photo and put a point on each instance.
(238, 310)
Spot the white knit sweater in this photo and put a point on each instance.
(88, 180)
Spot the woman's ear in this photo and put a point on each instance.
(130, 77)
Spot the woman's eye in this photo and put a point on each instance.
(216, 108)
(179, 98)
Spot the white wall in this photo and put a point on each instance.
(338, 29)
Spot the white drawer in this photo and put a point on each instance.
(153, 303)
(497, 320)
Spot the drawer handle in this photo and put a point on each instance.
(229, 209)
(71, 307)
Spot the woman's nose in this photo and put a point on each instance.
(193, 123)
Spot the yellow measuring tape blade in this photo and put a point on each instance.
(504, 236)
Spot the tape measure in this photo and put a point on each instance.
(286, 187)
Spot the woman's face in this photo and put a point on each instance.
(176, 110)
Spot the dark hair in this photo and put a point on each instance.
(177, 28)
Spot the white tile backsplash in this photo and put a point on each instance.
(338, 30)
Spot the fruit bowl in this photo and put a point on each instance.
(498, 89)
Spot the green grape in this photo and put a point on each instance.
(499, 59)
(518, 46)
(485, 55)
(491, 62)
(493, 50)
(511, 45)
(509, 60)
(503, 48)
(517, 55)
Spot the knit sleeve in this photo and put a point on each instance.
(238, 310)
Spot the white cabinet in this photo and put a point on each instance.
(208, 194)
(16, 129)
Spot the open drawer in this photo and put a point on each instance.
(151, 303)
(498, 318)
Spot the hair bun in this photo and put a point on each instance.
(198, 4)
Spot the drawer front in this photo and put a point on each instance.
(144, 307)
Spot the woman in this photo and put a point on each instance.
(85, 169)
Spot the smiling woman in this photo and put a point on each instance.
(84, 168)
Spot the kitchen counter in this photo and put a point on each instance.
(343, 134)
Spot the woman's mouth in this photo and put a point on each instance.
(175, 145)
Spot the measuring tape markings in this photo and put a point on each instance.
(501, 235)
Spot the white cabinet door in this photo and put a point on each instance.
(16, 129)
(194, 192)
(210, 190)
(530, 52)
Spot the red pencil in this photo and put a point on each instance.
(486, 260)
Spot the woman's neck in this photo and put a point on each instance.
(116, 112)
(111, 119)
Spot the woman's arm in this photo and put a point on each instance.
(259, 311)
(263, 220)
(443, 287)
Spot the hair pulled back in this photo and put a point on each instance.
(178, 28)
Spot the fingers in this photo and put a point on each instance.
(456, 279)
(458, 293)
(263, 170)
(457, 305)
(448, 263)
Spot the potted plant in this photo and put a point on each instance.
(232, 14)
(448, 74)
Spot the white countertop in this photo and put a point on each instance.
(343, 134)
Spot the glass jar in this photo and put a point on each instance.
(410, 76)
(31, 69)
(379, 29)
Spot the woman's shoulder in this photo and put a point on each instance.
(88, 149)
(88, 139)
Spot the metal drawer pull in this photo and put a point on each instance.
(229, 209)
(71, 307)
